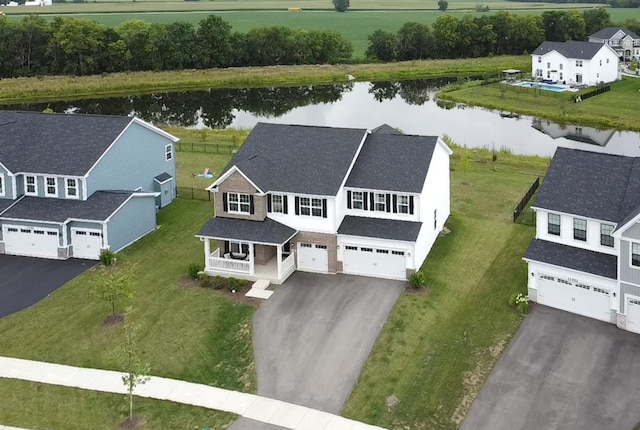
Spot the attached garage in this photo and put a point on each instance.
(87, 243)
(30, 241)
(374, 261)
(313, 257)
(574, 295)
(633, 314)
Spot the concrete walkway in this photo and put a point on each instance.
(261, 409)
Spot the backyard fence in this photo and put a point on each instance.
(193, 193)
(593, 93)
(212, 148)
(525, 200)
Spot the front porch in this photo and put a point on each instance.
(276, 270)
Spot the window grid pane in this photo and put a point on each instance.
(605, 235)
(554, 224)
(579, 229)
(635, 254)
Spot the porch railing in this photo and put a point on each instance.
(287, 264)
(228, 264)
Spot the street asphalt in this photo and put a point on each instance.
(313, 336)
(562, 371)
(25, 281)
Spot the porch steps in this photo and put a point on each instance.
(259, 290)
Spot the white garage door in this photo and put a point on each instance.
(633, 315)
(576, 297)
(376, 262)
(30, 241)
(87, 243)
(313, 257)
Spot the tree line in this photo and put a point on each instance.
(503, 33)
(77, 46)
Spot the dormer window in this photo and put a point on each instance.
(71, 188)
(30, 186)
(51, 186)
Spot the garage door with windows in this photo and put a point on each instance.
(87, 243)
(574, 295)
(313, 257)
(633, 314)
(31, 241)
(373, 261)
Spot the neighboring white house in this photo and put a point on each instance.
(577, 133)
(625, 42)
(585, 257)
(575, 62)
(328, 200)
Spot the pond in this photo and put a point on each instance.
(408, 106)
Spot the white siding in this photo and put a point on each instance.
(566, 232)
(384, 215)
(308, 223)
(601, 71)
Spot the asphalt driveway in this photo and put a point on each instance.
(25, 281)
(313, 336)
(562, 371)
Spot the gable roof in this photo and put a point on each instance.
(591, 184)
(609, 32)
(570, 49)
(582, 260)
(59, 144)
(393, 162)
(98, 207)
(297, 158)
(386, 129)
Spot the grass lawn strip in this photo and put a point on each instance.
(436, 350)
(42, 406)
(617, 109)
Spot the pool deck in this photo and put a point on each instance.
(540, 85)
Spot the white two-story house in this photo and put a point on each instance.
(575, 62)
(585, 257)
(327, 200)
(625, 42)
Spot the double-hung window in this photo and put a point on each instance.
(71, 187)
(580, 229)
(635, 254)
(1, 184)
(553, 225)
(403, 204)
(168, 152)
(380, 202)
(51, 186)
(357, 200)
(276, 203)
(605, 235)
(310, 206)
(30, 185)
(239, 203)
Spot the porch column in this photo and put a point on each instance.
(279, 248)
(207, 252)
(252, 267)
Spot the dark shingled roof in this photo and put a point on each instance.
(298, 159)
(56, 143)
(386, 129)
(98, 207)
(571, 257)
(570, 49)
(393, 162)
(380, 228)
(163, 177)
(267, 231)
(591, 184)
(609, 32)
(5, 203)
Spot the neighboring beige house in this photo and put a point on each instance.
(626, 43)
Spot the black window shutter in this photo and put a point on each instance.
(226, 246)
(224, 203)
(297, 205)
(365, 201)
(411, 205)
(285, 208)
(324, 208)
(268, 202)
(348, 199)
(395, 204)
(388, 202)
(372, 203)
(251, 209)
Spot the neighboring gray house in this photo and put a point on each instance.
(577, 133)
(625, 42)
(73, 185)
(585, 257)
(327, 200)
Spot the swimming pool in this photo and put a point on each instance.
(547, 87)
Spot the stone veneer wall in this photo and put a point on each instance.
(236, 183)
(264, 253)
(330, 240)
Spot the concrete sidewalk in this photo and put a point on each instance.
(263, 409)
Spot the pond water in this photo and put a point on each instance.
(407, 105)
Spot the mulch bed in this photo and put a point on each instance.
(112, 320)
(133, 423)
(238, 297)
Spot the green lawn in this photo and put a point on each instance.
(616, 109)
(41, 406)
(436, 349)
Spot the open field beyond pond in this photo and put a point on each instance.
(434, 352)
(616, 109)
